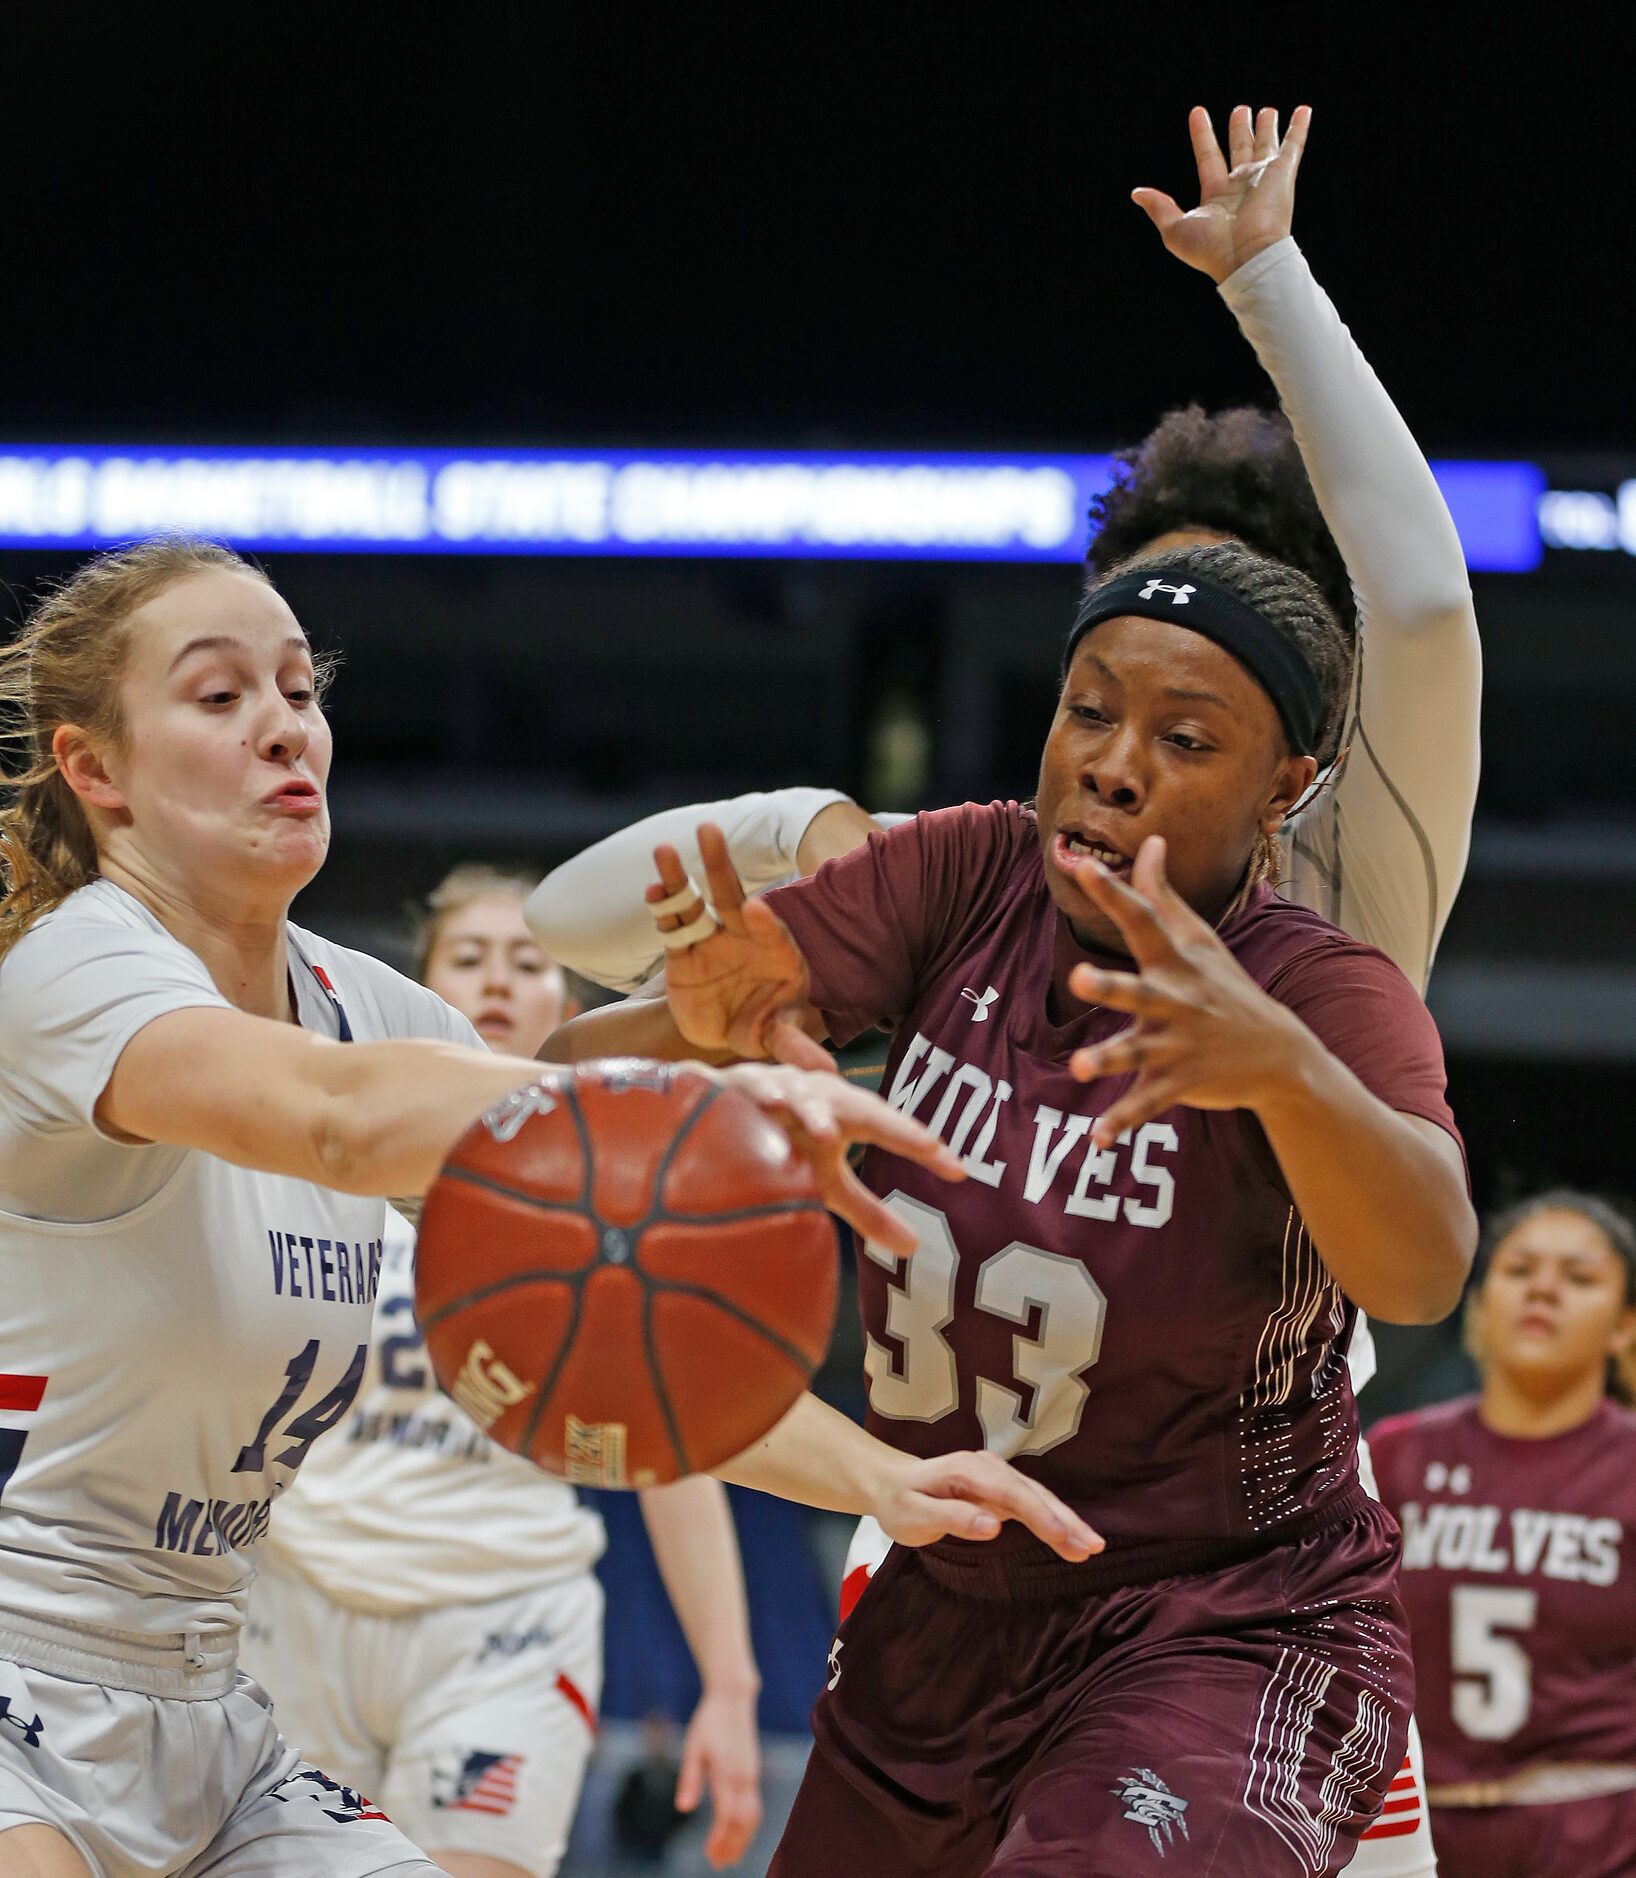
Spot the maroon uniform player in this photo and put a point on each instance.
(1125, 1295)
(1516, 1506)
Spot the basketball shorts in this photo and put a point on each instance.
(1241, 1723)
(184, 1774)
(471, 1723)
(1571, 1839)
(1399, 1843)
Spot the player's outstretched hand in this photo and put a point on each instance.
(969, 1496)
(824, 1116)
(1241, 210)
(1203, 1034)
(742, 984)
(721, 1754)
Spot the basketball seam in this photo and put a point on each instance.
(548, 1382)
(491, 1185)
(661, 1388)
(729, 1309)
(544, 1275)
(656, 1200)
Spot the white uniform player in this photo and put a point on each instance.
(426, 1610)
(177, 1332)
(1380, 850)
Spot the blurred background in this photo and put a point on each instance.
(653, 404)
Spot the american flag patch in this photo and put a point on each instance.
(19, 1395)
(478, 1783)
(1401, 1814)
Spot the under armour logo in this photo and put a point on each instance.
(1178, 595)
(835, 1650)
(980, 1015)
(29, 1730)
(1149, 1802)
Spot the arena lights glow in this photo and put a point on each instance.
(808, 505)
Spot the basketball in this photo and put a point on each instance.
(625, 1276)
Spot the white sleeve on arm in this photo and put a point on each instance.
(590, 914)
(1382, 850)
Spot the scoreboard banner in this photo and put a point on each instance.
(782, 505)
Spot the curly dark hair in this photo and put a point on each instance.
(1287, 600)
(1237, 472)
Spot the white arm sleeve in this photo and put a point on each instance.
(1382, 850)
(590, 914)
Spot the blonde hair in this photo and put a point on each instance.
(471, 880)
(65, 667)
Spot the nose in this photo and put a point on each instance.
(496, 975)
(282, 735)
(1116, 770)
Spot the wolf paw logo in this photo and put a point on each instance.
(1149, 1802)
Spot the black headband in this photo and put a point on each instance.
(1183, 599)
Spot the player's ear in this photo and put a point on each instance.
(1294, 777)
(81, 764)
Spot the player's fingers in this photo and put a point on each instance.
(735, 1813)
(721, 876)
(1132, 1051)
(1266, 134)
(848, 1198)
(1135, 917)
(1206, 152)
(1163, 211)
(1150, 1096)
(988, 1480)
(1150, 877)
(1240, 136)
(1295, 138)
(788, 1043)
(690, 1777)
(865, 1117)
(1119, 991)
(672, 874)
(939, 1515)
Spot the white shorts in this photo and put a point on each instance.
(191, 1783)
(471, 1723)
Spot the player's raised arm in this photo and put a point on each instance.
(589, 914)
(1382, 1191)
(1389, 838)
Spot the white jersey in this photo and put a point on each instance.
(176, 1331)
(408, 1506)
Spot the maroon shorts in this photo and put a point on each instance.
(1575, 1839)
(1239, 1723)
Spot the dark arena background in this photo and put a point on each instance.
(653, 404)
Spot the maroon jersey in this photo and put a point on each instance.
(1147, 1328)
(1521, 1599)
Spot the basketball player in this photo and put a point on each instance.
(201, 1106)
(1144, 1289)
(1516, 1505)
(426, 1616)
(1381, 848)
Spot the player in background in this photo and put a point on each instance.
(1144, 1289)
(202, 1107)
(1516, 1505)
(1341, 491)
(426, 1617)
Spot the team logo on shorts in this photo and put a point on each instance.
(29, 1730)
(476, 1783)
(1150, 1803)
(344, 1804)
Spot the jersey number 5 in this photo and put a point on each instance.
(920, 1383)
(307, 1427)
(1493, 1678)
